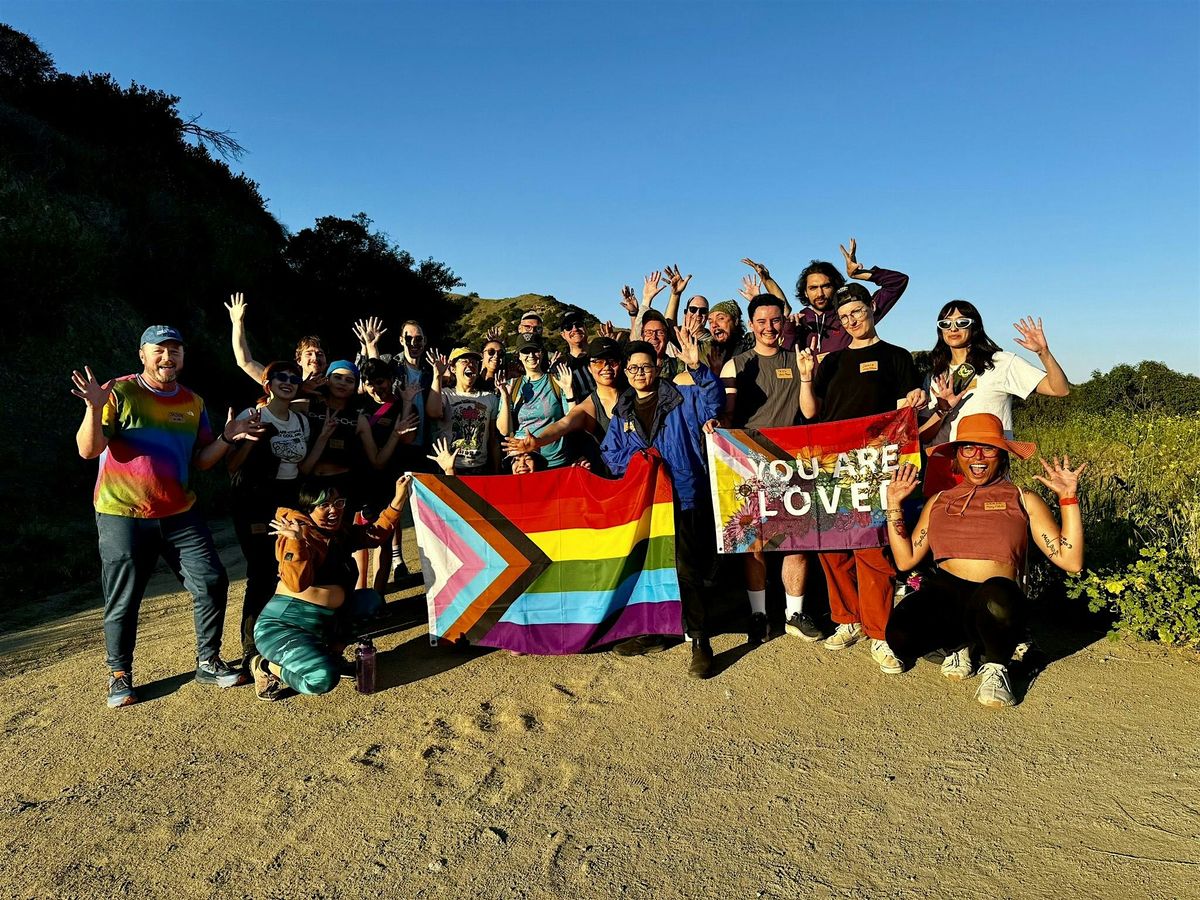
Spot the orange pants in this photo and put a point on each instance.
(860, 588)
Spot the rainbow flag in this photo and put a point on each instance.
(809, 487)
(551, 562)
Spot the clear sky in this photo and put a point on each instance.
(1035, 158)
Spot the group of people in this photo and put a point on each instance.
(320, 469)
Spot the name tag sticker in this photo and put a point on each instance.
(995, 504)
(336, 443)
(872, 366)
(785, 374)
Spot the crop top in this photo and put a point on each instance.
(986, 522)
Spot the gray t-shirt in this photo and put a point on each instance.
(768, 390)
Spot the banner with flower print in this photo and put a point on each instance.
(810, 487)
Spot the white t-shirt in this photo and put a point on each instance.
(467, 424)
(289, 445)
(991, 392)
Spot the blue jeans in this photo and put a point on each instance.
(129, 551)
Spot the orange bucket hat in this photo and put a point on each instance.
(986, 429)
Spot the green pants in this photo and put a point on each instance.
(296, 635)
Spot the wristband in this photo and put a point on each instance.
(222, 437)
(1068, 501)
(806, 381)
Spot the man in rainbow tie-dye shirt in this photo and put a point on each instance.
(147, 430)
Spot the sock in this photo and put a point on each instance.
(794, 604)
(758, 601)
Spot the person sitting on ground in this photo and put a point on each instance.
(970, 373)
(474, 420)
(315, 607)
(592, 415)
(656, 413)
(972, 606)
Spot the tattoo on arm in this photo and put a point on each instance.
(920, 541)
(1051, 545)
(899, 527)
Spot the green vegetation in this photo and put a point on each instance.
(1138, 429)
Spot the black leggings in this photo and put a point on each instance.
(949, 613)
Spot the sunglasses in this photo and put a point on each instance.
(492, 352)
(605, 363)
(962, 323)
(698, 310)
(970, 451)
(287, 378)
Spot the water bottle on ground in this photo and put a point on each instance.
(364, 667)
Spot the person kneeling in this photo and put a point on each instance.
(978, 533)
(315, 604)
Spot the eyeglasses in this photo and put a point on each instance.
(855, 315)
(339, 503)
(698, 310)
(970, 451)
(962, 323)
(287, 378)
(641, 370)
(605, 363)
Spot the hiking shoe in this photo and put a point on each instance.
(882, 654)
(214, 671)
(756, 631)
(844, 637)
(957, 666)
(994, 688)
(267, 685)
(803, 627)
(120, 690)
(641, 645)
(702, 659)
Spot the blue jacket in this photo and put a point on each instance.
(676, 432)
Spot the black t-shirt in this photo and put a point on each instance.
(866, 382)
(344, 447)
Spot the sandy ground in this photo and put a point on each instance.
(795, 772)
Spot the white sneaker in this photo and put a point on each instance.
(958, 666)
(888, 663)
(844, 636)
(994, 688)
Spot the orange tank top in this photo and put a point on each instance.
(987, 522)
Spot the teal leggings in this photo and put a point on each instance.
(296, 635)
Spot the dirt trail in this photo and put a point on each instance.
(794, 773)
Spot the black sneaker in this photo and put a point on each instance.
(702, 659)
(641, 645)
(756, 631)
(214, 671)
(120, 690)
(803, 627)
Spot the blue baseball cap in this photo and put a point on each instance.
(160, 334)
(342, 365)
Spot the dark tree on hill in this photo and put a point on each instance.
(343, 270)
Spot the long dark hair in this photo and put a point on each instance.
(980, 350)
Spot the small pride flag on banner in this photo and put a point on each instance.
(549, 562)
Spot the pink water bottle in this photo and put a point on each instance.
(364, 667)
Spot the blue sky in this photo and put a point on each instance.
(1033, 158)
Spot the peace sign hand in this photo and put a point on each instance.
(90, 391)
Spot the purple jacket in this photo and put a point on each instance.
(823, 331)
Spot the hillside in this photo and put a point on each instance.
(478, 314)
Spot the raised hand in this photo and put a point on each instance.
(285, 528)
(514, 446)
(90, 391)
(408, 423)
(553, 361)
(853, 266)
(503, 385)
(652, 286)
(495, 333)
(329, 425)
(410, 392)
(806, 362)
(313, 384)
(689, 348)
(403, 486)
(236, 307)
(903, 483)
(629, 300)
(443, 455)
(694, 323)
(759, 269)
(369, 331)
(438, 362)
(1060, 477)
(677, 282)
(751, 287)
(942, 388)
(607, 330)
(562, 376)
(250, 428)
(1032, 337)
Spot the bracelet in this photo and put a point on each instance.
(222, 437)
(806, 381)
(1068, 501)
